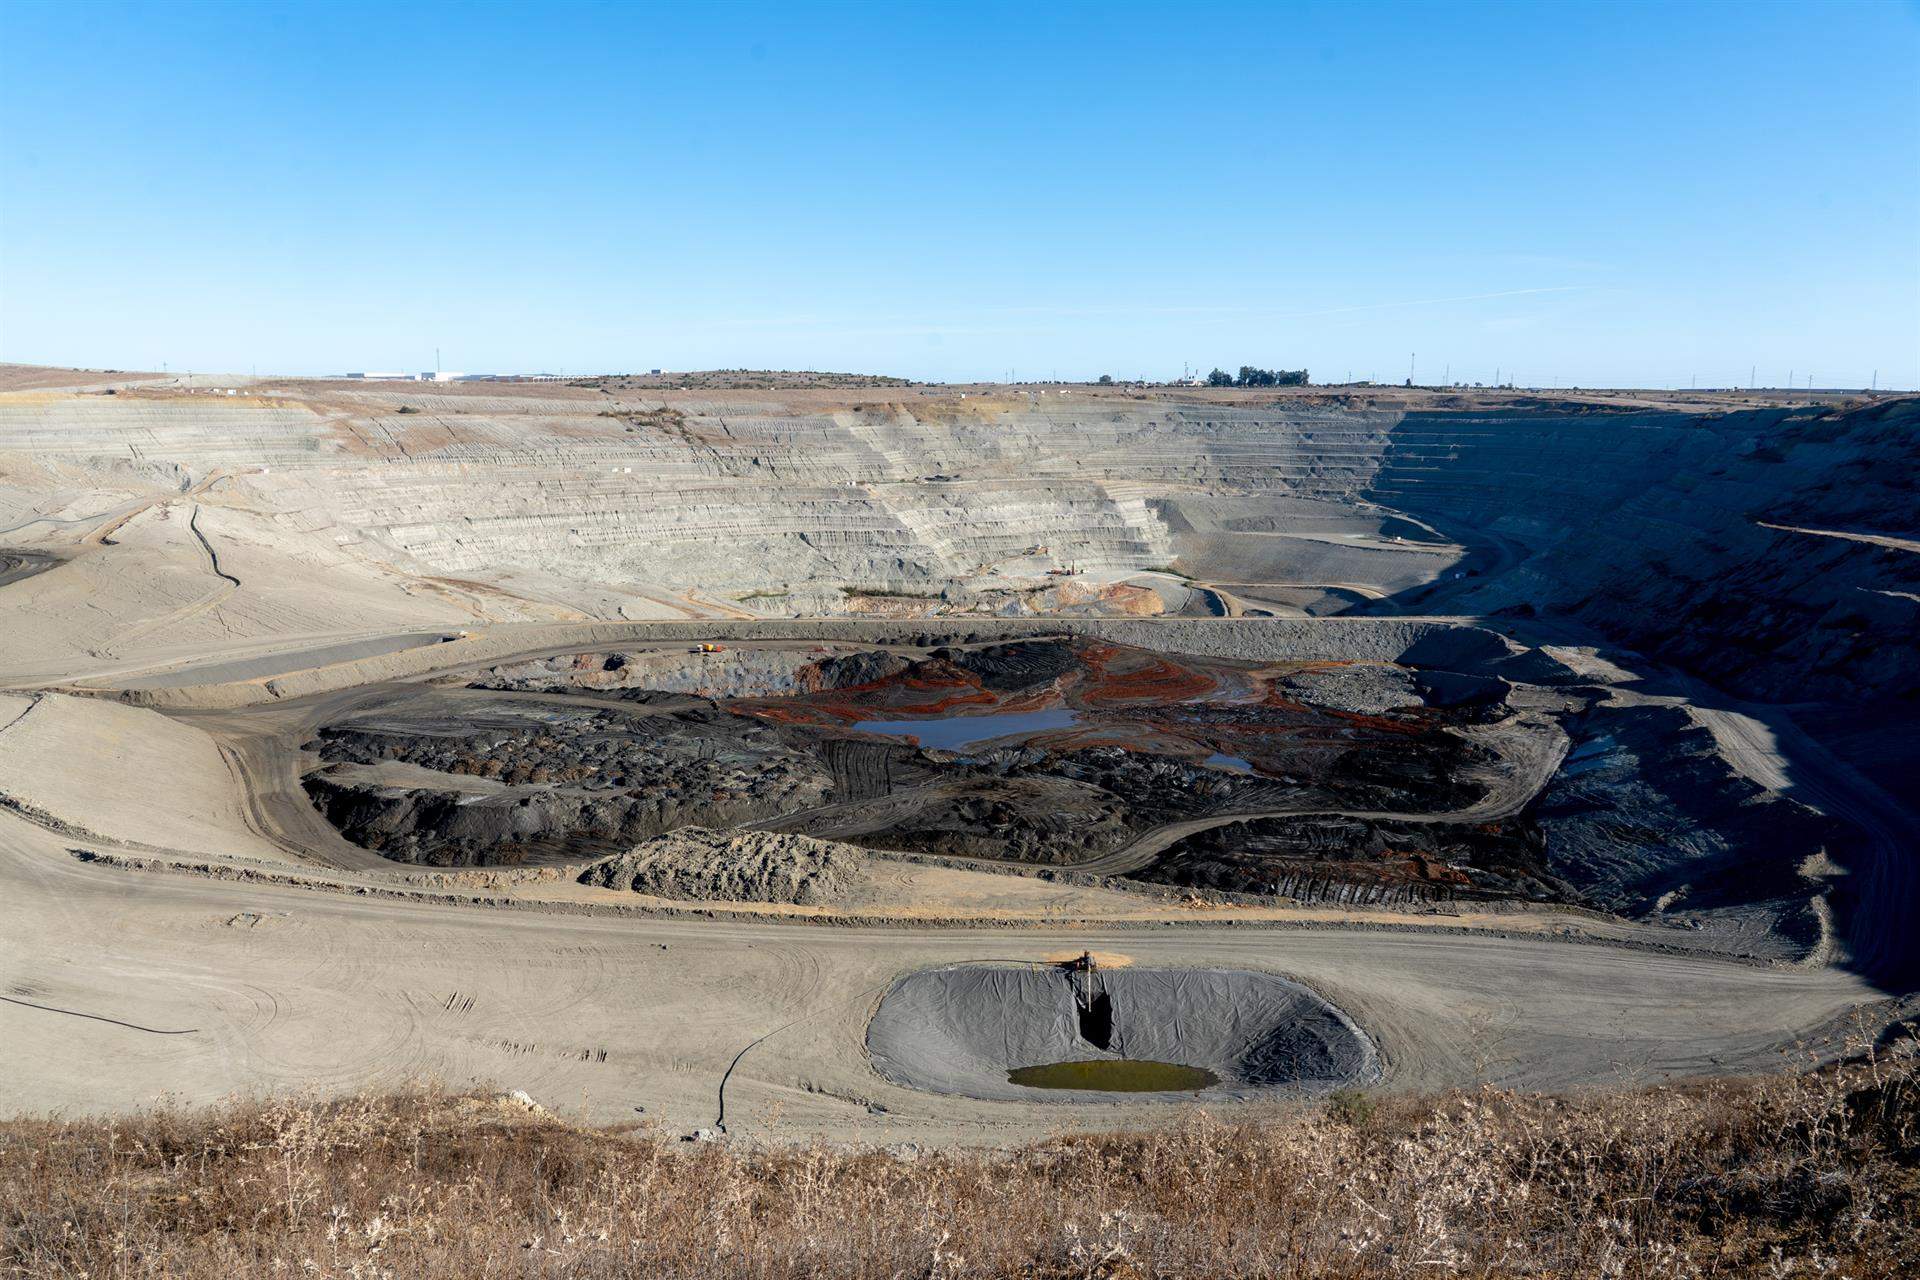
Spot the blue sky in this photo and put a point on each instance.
(1588, 194)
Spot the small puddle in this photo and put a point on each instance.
(1116, 1075)
(946, 733)
(1234, 764)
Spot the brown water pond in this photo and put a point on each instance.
(1115, 1075)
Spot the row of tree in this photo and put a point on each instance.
(1252, 377)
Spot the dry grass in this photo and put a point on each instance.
(1815, 1174)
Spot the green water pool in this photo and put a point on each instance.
(1115, 1075)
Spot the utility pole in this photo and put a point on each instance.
(1753, 376)
(1410, 356)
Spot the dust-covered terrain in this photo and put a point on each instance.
(638, 736)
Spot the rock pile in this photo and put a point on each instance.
(735, 866)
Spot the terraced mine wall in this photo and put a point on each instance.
(1770, 551)
(1760, 550)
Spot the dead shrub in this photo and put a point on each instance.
(1815, 1174)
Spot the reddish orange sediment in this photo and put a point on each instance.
(1380, 724)
(1434, 871)
(1156, 679)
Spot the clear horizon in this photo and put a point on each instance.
(1621, 195)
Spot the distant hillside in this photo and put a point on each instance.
(40, 377)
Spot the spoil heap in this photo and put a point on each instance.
(736, 866)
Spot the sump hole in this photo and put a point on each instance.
(1096, 1020)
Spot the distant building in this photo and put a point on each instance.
(448, 375)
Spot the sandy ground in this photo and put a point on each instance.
(125, 987)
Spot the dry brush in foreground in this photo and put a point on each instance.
(1800, 1174)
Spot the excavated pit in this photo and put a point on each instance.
(1064, 1035)
(1050, 751)
(1685, 563)
(1467, 768)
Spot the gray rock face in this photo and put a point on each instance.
(735, 866)
(1647, 819)
(434, 785)
(1363, 689)
(728, 672)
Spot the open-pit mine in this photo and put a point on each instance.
(945, 763)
